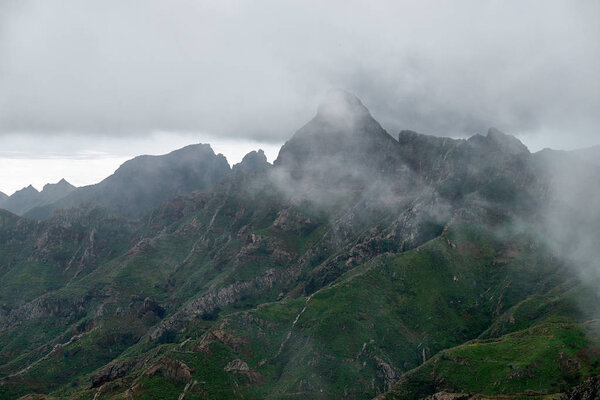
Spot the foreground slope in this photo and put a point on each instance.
(333, 273)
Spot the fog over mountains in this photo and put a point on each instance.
(189, 214)
(359, 264)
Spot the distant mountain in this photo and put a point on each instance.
(590, 154)
(146, 181)
(27, 198)
(3, 197)
(356, 266)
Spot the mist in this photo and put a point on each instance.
(255, 71)
(571, 215)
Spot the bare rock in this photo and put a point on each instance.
(110, 372)
(236, 365)
(173, 370)
(587, 390)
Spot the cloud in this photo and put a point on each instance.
(24, 159)
(255, 70)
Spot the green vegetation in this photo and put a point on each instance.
(431, 274)
(548, 358)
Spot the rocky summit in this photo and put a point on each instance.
(28, 198)
(358, 265)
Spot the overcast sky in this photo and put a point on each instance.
(84, 85)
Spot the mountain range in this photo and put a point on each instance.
(357, 265)
(27, 198)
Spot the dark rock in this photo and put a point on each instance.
(337, 148)
(587, 390)
(172, 370)
(253, 162)
(28, 198)
(142, 183)
(110, 372)
(507, 143)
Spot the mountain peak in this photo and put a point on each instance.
(27, 189)
(342, 106)
(253, 161)
(508, 143)
(60, 185)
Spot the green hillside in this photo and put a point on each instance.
(356, 266)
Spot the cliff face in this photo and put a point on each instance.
(356, 265)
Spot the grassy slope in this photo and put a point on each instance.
(181, 263)
(352, 338)
(545, 359)
(386, 313)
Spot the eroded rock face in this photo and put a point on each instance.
(291, 221)
(588, 390)
(386, 373)
(222, 336)
(390, 196)
(209, 302)
(452, 396)
(173, 370)
(240, 368)
(112, 371)
(236, 365)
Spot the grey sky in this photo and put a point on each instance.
(118, 71)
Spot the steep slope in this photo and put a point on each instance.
(36, 258)
(3, 198)
(23, 199)
(496, 164)
(28, 198)
(54, 192)
(342, 147)
(333, 273)
(145, 181)
(253, 161)
(532, 363)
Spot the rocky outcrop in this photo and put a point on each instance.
(172, 370)
(453, 396)
(255, 161)
(114, 370)
(587, 390)
(342, 202)
(291, 221)
(223, 336)
(44, 307)
(221, 297)
(236, 365)
(386, 373)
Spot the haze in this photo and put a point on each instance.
(84, 85)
